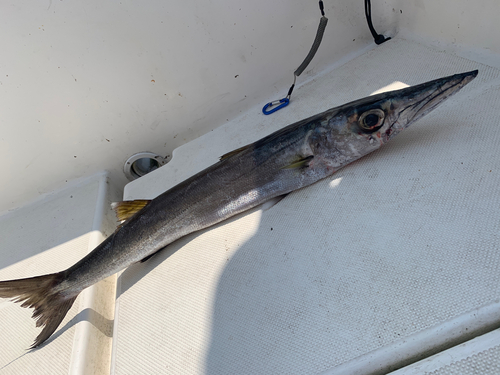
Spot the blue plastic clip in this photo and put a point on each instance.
(284, 102)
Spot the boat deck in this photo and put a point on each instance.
(391, 263)
(369, 270)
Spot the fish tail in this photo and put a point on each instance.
(50, 305)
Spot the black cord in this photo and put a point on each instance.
(379, 38)
(322, 8)
(317, 41)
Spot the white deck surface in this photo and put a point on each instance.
(479, 356)
(392, 259)
(48, 236)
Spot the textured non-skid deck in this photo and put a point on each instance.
(396, 244)
(26, 235)
(48, 236)
(479, 356)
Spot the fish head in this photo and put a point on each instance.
(379, 118)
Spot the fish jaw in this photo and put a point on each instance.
(412, 103)
(385, 115)
(346, 133)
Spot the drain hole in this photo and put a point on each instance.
(144, 166)
(142, 163)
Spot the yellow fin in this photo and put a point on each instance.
(234, 152)
(126, 209)
(304, 162)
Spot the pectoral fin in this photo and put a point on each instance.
(126, 209)
(301, 163)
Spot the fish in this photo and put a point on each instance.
(289, 159)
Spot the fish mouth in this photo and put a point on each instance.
(414, 102)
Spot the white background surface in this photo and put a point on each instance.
(76, 78)
(83, 86)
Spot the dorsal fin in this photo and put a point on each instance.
(277, 134)
(126, 209)
(234, 152)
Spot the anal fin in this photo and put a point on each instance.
(272, 202)
(150, 256)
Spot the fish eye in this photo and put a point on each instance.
(372, 119)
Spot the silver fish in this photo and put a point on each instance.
(286, 160)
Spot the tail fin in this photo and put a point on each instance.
(50, 306)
